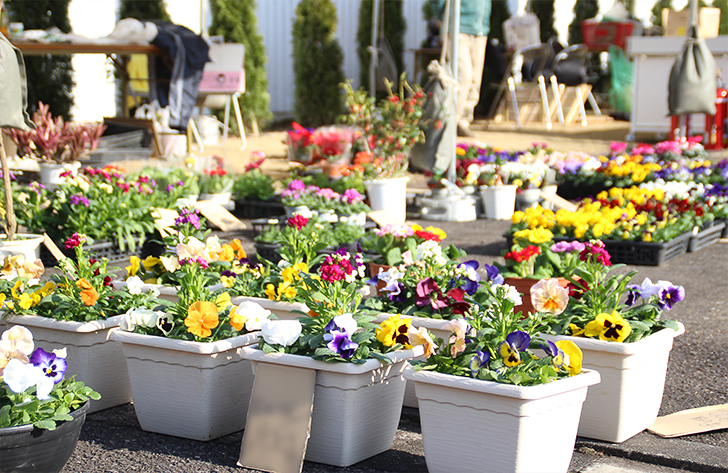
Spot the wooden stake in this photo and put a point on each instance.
(9, 212)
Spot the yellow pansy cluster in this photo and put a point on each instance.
(286, 289)
(632, 167)
(536, 236)
(26, 300)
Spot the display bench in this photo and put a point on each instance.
(653, 58)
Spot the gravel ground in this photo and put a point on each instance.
(112, 441)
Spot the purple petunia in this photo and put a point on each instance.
(79, 199)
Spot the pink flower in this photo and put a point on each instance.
(459, 328)
(352, 196)
(618, 147)
(298, 221)
(547, 295)
(75, 240)
(296, 185)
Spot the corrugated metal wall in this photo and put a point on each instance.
(275, 19)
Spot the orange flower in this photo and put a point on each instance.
(89, 296)
(227, 253)
(238, 249)
(237, 320)
(83, 284)
(202, 318)
(363, 157)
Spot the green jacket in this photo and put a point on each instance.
(474, 16)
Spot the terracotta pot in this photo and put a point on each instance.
(374, 269)
(524, 287)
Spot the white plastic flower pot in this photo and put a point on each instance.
(25, 244)
(527, 198)
(50, 173)
(499, 202)
(222, 198)
(193, 390)
(471, 425)
(92, 357)
(628, 399)
(356, 408)
(301, 210)
(389, 195)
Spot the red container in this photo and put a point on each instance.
(599, 35)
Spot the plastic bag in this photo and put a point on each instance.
(14, 96)
(693, 79)
(621, 69)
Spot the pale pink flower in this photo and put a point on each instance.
(459, 328)
(420, 336)
(547, 295)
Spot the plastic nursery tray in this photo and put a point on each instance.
(724, 234)
(103, 249)
(706, 237)
(253, 209)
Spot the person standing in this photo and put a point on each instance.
(473, 38)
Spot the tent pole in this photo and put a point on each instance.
(455, 29)
(374, 61)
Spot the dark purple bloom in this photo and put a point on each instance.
(245, 261)
(479, 360)
(53, 366)
(471, 278)
(428, 292)
(669, 295)
(493, 274)
(79, 199)
(340, 342)
(633, 293)
(228, 273)
(550, 348)
(518, 340)
(395, 291)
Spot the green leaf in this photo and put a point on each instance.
(47, 424)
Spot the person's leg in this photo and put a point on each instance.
(465, 79)
(477, 57)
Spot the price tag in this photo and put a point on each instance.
(279, 419)
(164, 219)
(382, 217)
(559, 202)
(219, 216)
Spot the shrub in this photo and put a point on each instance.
(395, 27)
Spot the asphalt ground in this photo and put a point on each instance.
(112, 441)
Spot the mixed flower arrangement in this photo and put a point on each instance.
(254, 184)
(32, 385)
(215, 181)
(390, 242)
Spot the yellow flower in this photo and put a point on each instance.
(270, 292)
(223, 301)
(47, 288)
(150, 262)
(134, 268)
(2, 299)
(201, 318)
(18, 286)
(610, 327)
(510, 356)
(25, 301)
(394, 330)
(437, 231)
(237, 320)
(227, 281)
(238, 249)
(286, 291)
(459, 151)
(227, 253)
(573, 356)
(576, 331)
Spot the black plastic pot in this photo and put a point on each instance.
(27, 449)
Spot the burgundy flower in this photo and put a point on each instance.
(428, 292)
(298, 221)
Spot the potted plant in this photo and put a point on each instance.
(56, 144)
(189, 351)
(624, 339)
(77, 308)
(298, 198)
(332, 147)
(42, 409)
(254, 192)
(216, 185)
(493, 380)
(357, 363)
(299, 143)
(389, 129)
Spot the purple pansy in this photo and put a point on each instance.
(471, 277)
(340, 342)
(53, 366)
(493, 275)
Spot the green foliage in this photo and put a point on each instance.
(50, 78)
(143, 10)
(657, 11)
(394, 28)
(583, 10)
(429, 9)
(236, 21)
(254, 185)
(317, 63)
(498, 14)
(723, 5)
(66, 396)
(544, 10)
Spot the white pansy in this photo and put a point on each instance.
(61, 352)
(255, 313)
(134, 285)
(136, 316)
(170, 263)
(281, 332)
(192, 249)
(346, 322)
(20, 376)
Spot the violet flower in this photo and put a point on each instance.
(669, 294)
(493, 275)
(471, 278)
(53, 366)
(340, 343)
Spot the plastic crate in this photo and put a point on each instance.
(253, 209)
(647, 254)
(268, 251)
(724, 234)
(707, 237)
(598, 36)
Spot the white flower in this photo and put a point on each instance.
(61, 352)
(136, 316)
(20, 376)
(281, 332)
(17, 341)
(512, 293)
(192, 249)
(170, 263)
(134, 285)
(346, 322)
(430, 250)
(212, 248)
(255, 313)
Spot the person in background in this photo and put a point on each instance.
(473, 38)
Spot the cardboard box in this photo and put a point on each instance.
(675, 23)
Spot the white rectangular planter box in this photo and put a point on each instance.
(281, 309)
(92, 357)
(193, 390)
(471, 425)
(435, 326)
(356, 408)
(628, 399)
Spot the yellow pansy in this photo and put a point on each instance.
(223, 301)
(150, 262)
(610, 327)
(134, 268)
(572, 356)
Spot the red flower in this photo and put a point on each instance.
(298, 221)
(427, 235)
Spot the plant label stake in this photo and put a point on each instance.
(218, 215)
(279, 419)
(53, 248)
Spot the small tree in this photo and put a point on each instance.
(50, 78)
(499, 13)
(146, 10)
(394, 30)
(583, 10)
(235, 20)
(723, 29)
(657, 11)
(544, 10)
(317, 63)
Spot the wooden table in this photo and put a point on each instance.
(119, 54)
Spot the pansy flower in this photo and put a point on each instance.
(610, 327)
(572, 356)
(459, 328)
(478, 360)
(202, 318)
(547, 295)
(493, 274)
(428, 293)
(53, 366)
(669, 294)
(394, 330)
(470, 277)
(510, 348)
